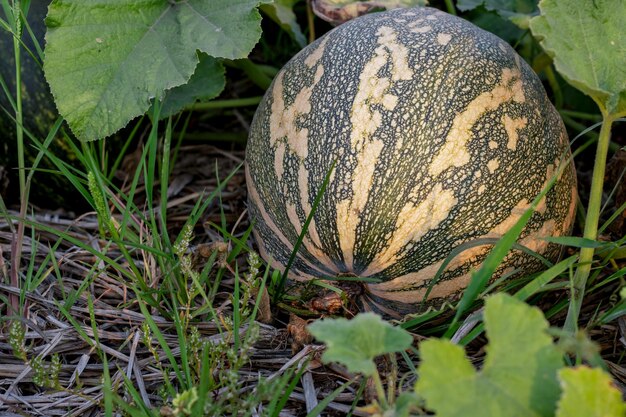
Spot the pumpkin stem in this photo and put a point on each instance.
(591, 226)
(450, 7)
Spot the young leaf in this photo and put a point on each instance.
(355, 343)
(589, 392)
(519, 375)
(281, 12)
(586, 39)
(105, 60)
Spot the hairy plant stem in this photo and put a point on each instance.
(380, 391)
(591, 226)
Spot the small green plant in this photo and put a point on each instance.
(17, 334)
(519, 376)
(46, 376)
(523, 374)
(356, 343)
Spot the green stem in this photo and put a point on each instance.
(256, 74)
(380, 391)
(581, 115)
(310, 19)
(224, 104)
(18, 113)
(591, 226)
(573, 124)
(16, 245)
(450, 7)
(554, 85)
(298, 311)
(392, 378)
(214, 136)
(613, 147)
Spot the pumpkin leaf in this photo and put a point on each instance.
(516, 11)
(504, 8)
(496, 24)
(355, 343)
(518, 379)
(105, 61)
(281, 12)
(206, 83)
(589, 392)
(586, 41)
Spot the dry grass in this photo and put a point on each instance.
(119, 321)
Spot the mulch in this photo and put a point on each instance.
(118, 319)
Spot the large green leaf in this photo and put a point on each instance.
(519, 377)
(355, 343)
(586, 39)
(589, 392)
(106, 59)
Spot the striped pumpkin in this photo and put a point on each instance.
(442, 136)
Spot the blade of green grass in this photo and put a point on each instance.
(259, 295)
(236, 311)
(123, 151)
(305, 228)
(204, 383)
(285, 387)
(328, 399)
(472, 244)
(576, 242)
(181, 332)
(481, 277)
(533, 287)
(544, 278)
(161, 339)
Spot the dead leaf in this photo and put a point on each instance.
(298, 332)
(337, 12)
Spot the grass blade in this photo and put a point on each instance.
(305, 229)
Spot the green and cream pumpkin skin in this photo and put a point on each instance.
(441, 134)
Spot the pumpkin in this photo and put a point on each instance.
(441, 136)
